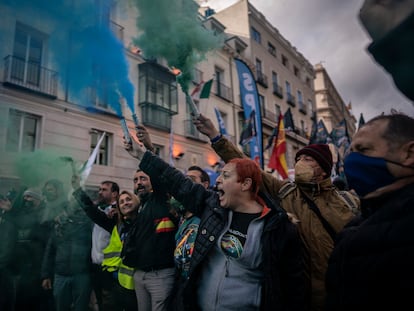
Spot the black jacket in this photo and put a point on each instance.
(372, 264)
(68, 251)
(150, 242)
(283, 286)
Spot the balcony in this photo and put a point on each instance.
(270, 115)
(262, 79)
(222, 91)
(277, 90)
(156, 116)
(302, 107)
(30, 76)
(291, 100)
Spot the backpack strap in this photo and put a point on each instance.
(286, 189)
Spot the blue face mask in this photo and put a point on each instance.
(366, 174)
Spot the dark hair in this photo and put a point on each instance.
(400, 128)
(114, 185)
(204, 175)
(247, 168)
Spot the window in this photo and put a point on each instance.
(274, 78)
(278, 110)
(308, 81)
(271, 48)
(158, 150)
(256, 35)
(288, 90)
(23, 131)
(310, 106)
(259, 68)
(300, 99)
(103, 153)
(285, 61)
(262, 104)
(27, 53)
(296, 71)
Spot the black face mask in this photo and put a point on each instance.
(29, 204)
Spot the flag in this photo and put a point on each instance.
(278, 158)
(319, 133)
(288, 121)
(202, 90)
(340, 138)
(249, 130)
(361, 120)
(273, 136)
(220, 121)
(170, 147)
(250, 103)
(87, 166)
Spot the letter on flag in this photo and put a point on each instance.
(278, 158)
(251, 106)
(202, 90)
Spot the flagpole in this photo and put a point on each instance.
(194, 110)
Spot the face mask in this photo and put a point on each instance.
(366, 174)
(303, 172)
(28, 204)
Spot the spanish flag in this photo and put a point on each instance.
(164, 225)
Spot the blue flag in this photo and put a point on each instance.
(220, 121)
(319, 134)
(251, 107)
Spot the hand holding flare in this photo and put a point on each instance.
(135, 148)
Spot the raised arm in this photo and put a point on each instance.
(226, 150)
(93, 212)
(183, 189)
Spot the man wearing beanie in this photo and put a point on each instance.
(311, 201)
(27, 213)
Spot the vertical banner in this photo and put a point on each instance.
(220, 121)
(251, 107)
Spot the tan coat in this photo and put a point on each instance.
(318, 243)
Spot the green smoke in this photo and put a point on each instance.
(173, 30)
(35, 168)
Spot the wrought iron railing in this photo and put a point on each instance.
(30, 75)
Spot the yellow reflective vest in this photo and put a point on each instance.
(112, 261)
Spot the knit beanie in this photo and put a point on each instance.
(35, 193)
(321, 153)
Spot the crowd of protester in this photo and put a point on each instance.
(253, 243)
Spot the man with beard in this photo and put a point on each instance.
(149, 246)
(371, 266)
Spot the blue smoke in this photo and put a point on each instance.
(83, 48)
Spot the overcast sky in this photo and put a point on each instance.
(328, 31)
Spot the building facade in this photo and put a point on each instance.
(59, 94)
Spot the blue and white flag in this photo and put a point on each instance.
(220, 121)
(251, 107)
